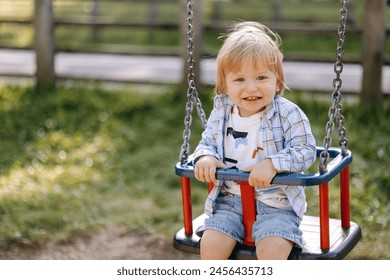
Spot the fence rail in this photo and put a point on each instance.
(281, 28)
(285, 27)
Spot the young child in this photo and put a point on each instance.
(253, 128)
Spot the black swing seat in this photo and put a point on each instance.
(341, 235)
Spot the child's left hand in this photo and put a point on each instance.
(261, 174)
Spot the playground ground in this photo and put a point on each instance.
(113, 243)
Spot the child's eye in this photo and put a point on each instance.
(260, 78)
(239, 80)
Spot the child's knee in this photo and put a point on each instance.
(215, 245)
(273, 248)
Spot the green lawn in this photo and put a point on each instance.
(74, 160)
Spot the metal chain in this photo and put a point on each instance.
(192, 93)
(335, 111)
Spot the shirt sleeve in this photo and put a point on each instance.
(299, 148)
(208, 144)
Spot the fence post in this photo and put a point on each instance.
(374, 36)
(198, 39)
(44, 43)
(95, 13)
(153, 15)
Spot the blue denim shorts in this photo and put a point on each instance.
(270, 221)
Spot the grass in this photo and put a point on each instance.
(75, 160)
(78, 159)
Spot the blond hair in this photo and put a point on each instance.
(254, 41)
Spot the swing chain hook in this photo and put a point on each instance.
(192, 93)
(335, 111)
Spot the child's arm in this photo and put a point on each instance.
(205, 168)
(297, 154)
(206, 158)
(261, 174)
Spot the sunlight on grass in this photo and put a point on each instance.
(53, 191)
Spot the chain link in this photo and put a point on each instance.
(336, 109)
(192, 93)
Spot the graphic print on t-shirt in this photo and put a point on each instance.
(255, 151)
(243, 147)
(239, 137)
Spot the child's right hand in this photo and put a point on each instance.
(206, 167)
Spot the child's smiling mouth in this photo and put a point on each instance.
(252, 98)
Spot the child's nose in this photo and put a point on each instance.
(251, 85)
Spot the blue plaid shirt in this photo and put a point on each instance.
(287, 139)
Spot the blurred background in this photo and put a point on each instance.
(92, 101)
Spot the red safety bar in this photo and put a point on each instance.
(345, 198)
(187, 204)
(324, 216)
(248, 210)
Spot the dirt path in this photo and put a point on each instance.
(108, 244)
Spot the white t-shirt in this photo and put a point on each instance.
(243, 149)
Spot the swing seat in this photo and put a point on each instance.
(342, 241)
(323, 237)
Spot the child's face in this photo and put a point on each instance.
(252, 88)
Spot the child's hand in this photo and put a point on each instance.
(206, 167)
(261, 174)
